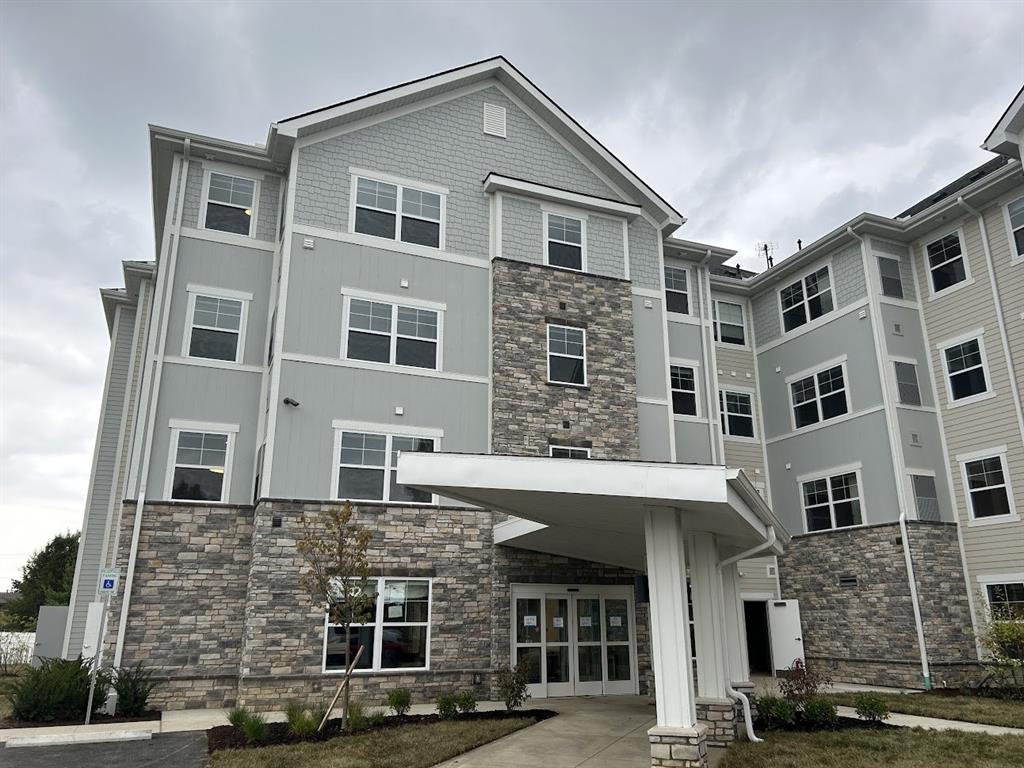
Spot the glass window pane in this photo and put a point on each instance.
(528, 620)
(682, 378)
(376, 223)
(990, 503)
(892, 282)
(684, 403)
(950, 273)
(358, 636)
(968, 383)
(618, 663)
(926, 497)
(741, 426)
(556, 610)
(589, 658)
(369, 315)
(403, 647)
(562, 255)
(363, 449)
(416, 444)
(791, 295)
(944, 249)
(225, 218)
(566, 370)
(416, 353)
(369, 346)
(421, 232)
(847, 513)
(677, 302)
(405, 493)
(616, 620)
(213, 345)
(675, 279)
(424, 205)
(794, 318)
(417, 322)
(588, 617)
(376, 194)
(531, 658)
(365, 484)
(906, 383)
(963, 356)
(819, 305)
(197, 484)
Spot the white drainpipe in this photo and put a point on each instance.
(912, 580)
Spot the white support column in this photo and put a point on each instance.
(735, 626)
(670, 632)
(707, 617)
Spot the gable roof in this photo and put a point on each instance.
(566, 128)
(1005, 136)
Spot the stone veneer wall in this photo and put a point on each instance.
(528, 412)
(866, 633)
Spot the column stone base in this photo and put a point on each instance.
(679, 747)
(720, 717)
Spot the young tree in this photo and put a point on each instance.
(46, 579)
(335, 549)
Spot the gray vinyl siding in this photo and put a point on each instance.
(315, 302)
(605, 254)
(755, 579)
(683, 339)
(445, 145)
(693, 444)
(654, 435)
(900, 253)
(269, 197)
(649, 346)
(102, 482)
(925, 453)
(304, 440)
(645, 263)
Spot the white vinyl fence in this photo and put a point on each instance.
(15, 648)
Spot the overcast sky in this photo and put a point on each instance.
(758, 121)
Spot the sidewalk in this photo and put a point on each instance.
(937, 724)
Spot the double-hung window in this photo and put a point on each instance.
(367, 466)
(729, 327)
(398, 212)
(396, 334)
(201, 461)
(819, 397)
(926, 497)
(946, 263)
(737, 413)
(677, 290)
(395, 636)
(965, 370)
(807, 299)
(832, 501)
(564, 237)
(1006, 600)
(216, 324)
(907, 387)
(987, 482)
(1015, 222)
(568, 452)
(684, 390)
(889, 274)
(567, 355)
(229, 203)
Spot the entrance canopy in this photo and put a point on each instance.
(593, 509)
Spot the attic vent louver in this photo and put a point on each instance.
(494, 120)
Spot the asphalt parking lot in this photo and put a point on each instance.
(177, 750)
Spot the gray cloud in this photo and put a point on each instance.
(760, 121)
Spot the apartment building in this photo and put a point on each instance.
(450, 304)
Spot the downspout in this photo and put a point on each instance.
(707, 353)
(912, 579)
(161, 313)
(748, 719)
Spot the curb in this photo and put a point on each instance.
(58, 739)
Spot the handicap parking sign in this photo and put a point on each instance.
(108, 580)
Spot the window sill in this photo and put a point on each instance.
(679, 317)
(979, 398)
(568, 384)
(741, 439)
(365, 672)
(732, 345)
(203, 362)
(981, 522)
(685, 417)
(228, 238)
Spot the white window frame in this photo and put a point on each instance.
(548, 353)
(978, 334)
(893, 359)
(228, 170)
(577, 448)
(724, 413)
(378, 624)
(899, 272)
(811, 322)
(388, 432)
(193, 291)
(1000, 452)
(968, 277)
(395, 301)
(912, 494)
(688, 292)
(827, 474)
(694, 366)
(808, 372)
(1014, 257)
(386, 178)
(717, 324)
(550, 211)
(176, 427)
(995, 579)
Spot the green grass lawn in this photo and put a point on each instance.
(406, 746)
(973, 709)
(900, 747)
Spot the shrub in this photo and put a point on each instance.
(512, 684)
(237, 716)
(774, 713)
(800, 684)
(357, 716)
(448, 705)
(466, 702)
(819, 713)
(254, 726)
(871, 707)
(133, 686)
(1002, 637)
(301, 721)
(400, 700)
(375, 717)
(58, 689)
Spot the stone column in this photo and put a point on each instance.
(707, 617)
(678, 740)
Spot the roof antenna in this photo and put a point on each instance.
(768, 249)
(799, 244)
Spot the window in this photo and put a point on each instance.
(987, 488)
(215, 331)
(889, 272)
(568, 452)
(567, 359)
(729, 328)
(1006, 601)
(832, 502)
(396, 636)
(398, 212)
(367, 466)
(946, 262)
(1015, 217)
(684, 390)
(806, 299)
(201, 463)
(677, 294)
(564, 242)
(230, 203)
(737, 413)
(395, 334)
(906, 383)
(819, 397)
(926, 497)
(965, 369)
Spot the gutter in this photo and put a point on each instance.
(708, 354)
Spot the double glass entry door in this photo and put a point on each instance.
(575, 643)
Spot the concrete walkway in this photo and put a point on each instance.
(937, 724)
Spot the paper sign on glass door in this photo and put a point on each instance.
(529, 621)
(585, 621)
(614, 621)
(558, 622)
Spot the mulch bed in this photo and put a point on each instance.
(844, 724)
(96, 719)
(231, 737)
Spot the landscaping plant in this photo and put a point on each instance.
(237, 716)
(358, 716)
(800, 684)
(133, 686)
(871, 706)
(400, 700)
(254, 726)
(775, 713)
(448, 706)
(818, 713)
(56, 690)
(1002, 637)
(511, 683)
(302, 721)
(466, 702)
